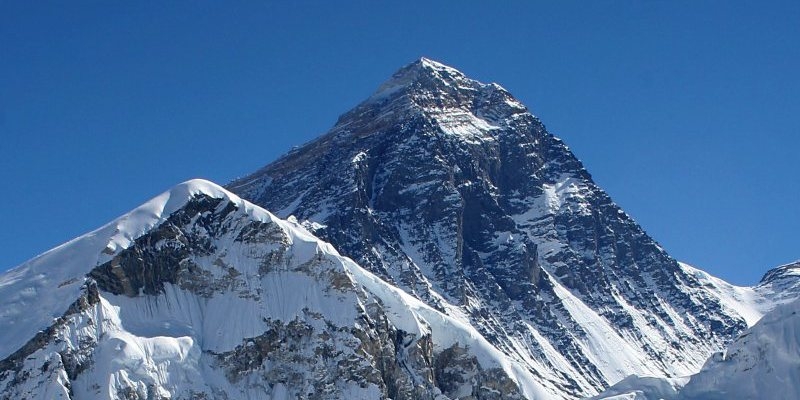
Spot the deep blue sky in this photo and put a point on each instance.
(687, 113)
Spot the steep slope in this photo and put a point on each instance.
(450, 189)
(198, 294)
(781, 285)
(762, 363)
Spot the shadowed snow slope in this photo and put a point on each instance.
(200, 294)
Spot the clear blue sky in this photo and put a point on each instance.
(687, 113)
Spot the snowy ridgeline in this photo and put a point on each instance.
(251, 306)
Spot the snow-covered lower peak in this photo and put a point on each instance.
(781, 285)
(762, 363)
(39, 290)
(200, 294)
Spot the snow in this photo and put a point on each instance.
(747, 302)
(39, 290)
(611, 353)
(643, 388)
(762, 363)
(559, 194)
(464, 124)
(147, 342)
(123, 359)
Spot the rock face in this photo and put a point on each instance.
(453, 191)
(212, 297)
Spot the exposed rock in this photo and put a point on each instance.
(450, 189)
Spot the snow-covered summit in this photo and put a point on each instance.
(426, 90)
(198, 294)
(41, 289)
(425, 80)
(423, 72)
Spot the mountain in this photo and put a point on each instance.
(438, 243)
(762, 363)
(198, 294)
(453, 191)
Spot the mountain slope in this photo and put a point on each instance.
(450, 189)
(199, 294)
(762, 363)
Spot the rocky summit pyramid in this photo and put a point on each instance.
(452, 190)
(466, 254)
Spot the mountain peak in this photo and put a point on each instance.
(451, 190)
(433, 65)
(789, 270)
(426, 73)
(461, 107)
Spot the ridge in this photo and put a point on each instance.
(41, 288)
(205, 298)
(791, 269)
